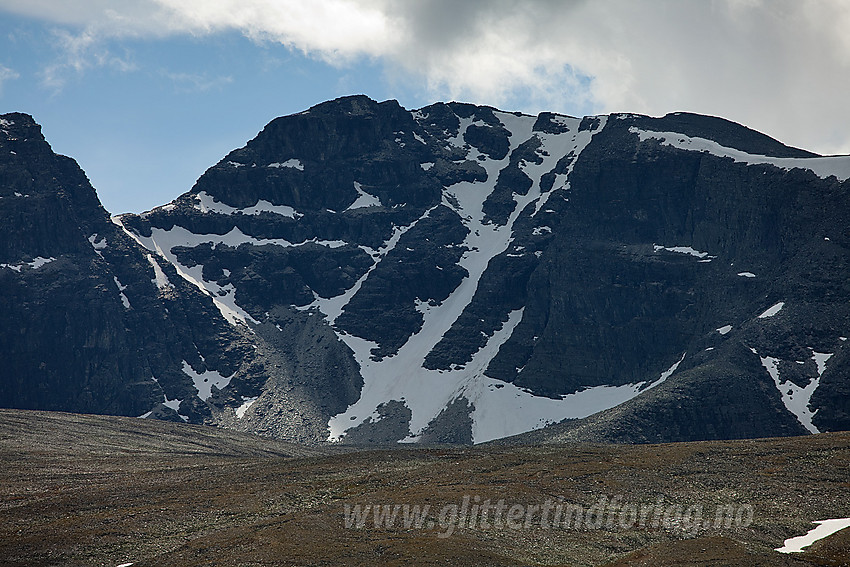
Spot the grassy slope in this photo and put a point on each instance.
(92, 490)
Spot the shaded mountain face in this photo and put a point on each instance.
(360, 272)
(92, 322)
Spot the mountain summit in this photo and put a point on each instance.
(363, 273)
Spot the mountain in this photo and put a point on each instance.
(363, 273)
(91, 322)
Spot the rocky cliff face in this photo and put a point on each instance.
(365, 273)
(90, 321)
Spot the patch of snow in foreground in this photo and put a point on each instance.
(246, 403)
(204, 381)
(773, 310)
(825, 529)
(823, 167)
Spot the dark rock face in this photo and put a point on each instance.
(91, 321)
(451, 274)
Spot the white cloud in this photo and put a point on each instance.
(780, 66)
(197, 82)
(78, 53)
(7, 74)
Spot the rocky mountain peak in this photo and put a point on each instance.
(361, 272)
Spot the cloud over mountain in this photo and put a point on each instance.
(778, 66)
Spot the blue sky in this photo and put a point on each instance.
(147, 94)
(145, 128)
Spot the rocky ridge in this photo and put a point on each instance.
(366, 273)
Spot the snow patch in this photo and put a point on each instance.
(175, 405)
(121, 289)
(684, 250)
(38, 262)
(825, 529)
(163, 241)
(332, 307)
(205, 381)
(796, 398)
(724, 329)
(246, 403)
(364, 199)
(290, 163)
(823, 167)
(208, 204)
(820, 361)
(747, 274)
(160, 279)
(553, 148)
(427, 165)
(501, 409)
(97, 245)
(773, 310)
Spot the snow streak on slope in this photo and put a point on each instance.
(796, 398)
(332, 307)
(121, 288)
(823, 167)
(499, 409)
(772, 310)
(164, 241)
(553, 148)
